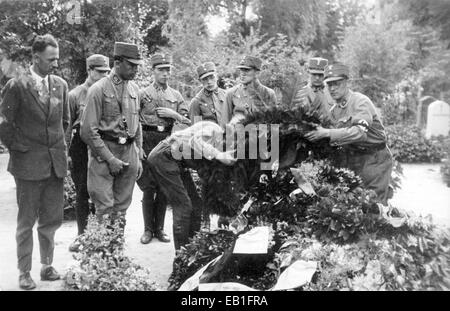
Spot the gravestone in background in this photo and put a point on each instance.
(422, 115)
(438, 119)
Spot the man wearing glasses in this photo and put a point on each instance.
(359, 131)
(249, 95)
(111, 129)
(97, 68)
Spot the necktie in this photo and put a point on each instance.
(44, 87)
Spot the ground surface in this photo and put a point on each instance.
(423, 192)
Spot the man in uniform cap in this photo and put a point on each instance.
(97, 68)
(315, 97)
(359, 130)
(249, 95)
(162, 109)
(208, 104)
(110, 127)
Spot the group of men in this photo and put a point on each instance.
(118, 134)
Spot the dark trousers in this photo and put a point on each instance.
(79, 155)
(375, 170)
(179, 188)
(154, 203)
(43, 201)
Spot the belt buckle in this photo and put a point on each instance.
(160, 128)
(122, 140)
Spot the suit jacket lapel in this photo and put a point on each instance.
(31, 87)
(53, 88)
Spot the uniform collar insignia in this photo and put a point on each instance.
(160, 87)
(115, 78)
(209, 93)
(344, 101)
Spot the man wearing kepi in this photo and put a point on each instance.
(315, 97)
(249, 95)
(208, 104)
(97, 68)
(359, 130)
(202, 139)
(35, 111)
(110, 127)
(162, 109)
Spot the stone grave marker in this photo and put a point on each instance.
(438, 119)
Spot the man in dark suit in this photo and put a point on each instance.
(36, 115)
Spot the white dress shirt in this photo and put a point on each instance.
(41, 82)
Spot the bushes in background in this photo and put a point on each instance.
(70, 198)
(409, 145)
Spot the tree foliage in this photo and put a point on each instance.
(378, 57)
(102, 23)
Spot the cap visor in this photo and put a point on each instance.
(163, 66)
(244, 67)
(102, 68)
(207, 74)
(135, 61)
(331, 79)
(319, 72)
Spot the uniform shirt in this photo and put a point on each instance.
(104, 113)
(358, 123)
(244, 99)
(77, 102)
(314, 99)
(202, 138)
(161, 98)
(209, 105)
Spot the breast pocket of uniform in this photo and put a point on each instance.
(111, 107)
(207, 111)
(344, 122)
(134, 104)
(171, 103)
(240, 105)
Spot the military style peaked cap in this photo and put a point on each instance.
(128, 51)
(317, 65)
(335, 72)
(250, 62)
(161, 61)
(205, 70)
(98, 61)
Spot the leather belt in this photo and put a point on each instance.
(156, 128)
(118, 140)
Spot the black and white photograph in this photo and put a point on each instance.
(237, 147)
